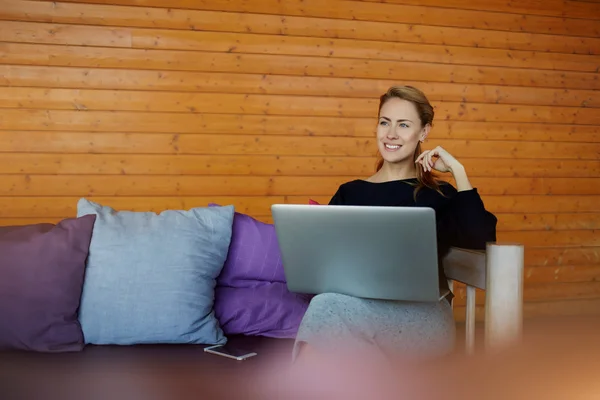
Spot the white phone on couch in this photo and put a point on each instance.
(229, 351)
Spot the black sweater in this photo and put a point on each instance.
(461, 217)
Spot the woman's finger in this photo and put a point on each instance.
(423, 154)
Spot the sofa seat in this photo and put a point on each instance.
(141, 372)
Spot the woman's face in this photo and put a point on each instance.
(399, 130)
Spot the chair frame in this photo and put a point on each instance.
(499, 271)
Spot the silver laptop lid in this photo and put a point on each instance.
(368, 252)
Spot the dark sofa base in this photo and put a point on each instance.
(141, 372)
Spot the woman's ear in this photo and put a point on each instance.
(424, 132)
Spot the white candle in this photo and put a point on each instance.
(504, 295)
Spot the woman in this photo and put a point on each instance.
(403, 178)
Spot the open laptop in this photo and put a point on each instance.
(368, 252)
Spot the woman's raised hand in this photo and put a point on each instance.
(437, 159)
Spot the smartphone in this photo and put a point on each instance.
(229, 351)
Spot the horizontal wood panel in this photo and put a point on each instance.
(579, 238)
(213, 144)
(180, 123)
(573, 273)
(135, 164)
(175, 60)
(548, 291)
(534, 222)
(84, 35)
(562, 256)
(152, 17)
(363, 11)
(227, 185)
(257, 104)
(536, 309)
(76, 78)
(66, 207)
(523, 204)
(555, 8)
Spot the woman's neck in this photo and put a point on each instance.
(395, 172)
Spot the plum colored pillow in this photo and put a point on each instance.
(251, 297)
(42, 268)
(150, 277)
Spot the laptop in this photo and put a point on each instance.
(387, 253)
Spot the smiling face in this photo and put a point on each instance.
(399, 130)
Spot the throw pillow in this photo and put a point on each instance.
(150, 277)
(42, 269)
(251, 297)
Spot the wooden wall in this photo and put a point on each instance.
(154, 104)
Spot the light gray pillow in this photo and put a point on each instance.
(150, 278)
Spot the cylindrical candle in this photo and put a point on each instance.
(504, 295)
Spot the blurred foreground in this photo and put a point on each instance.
(557, 359)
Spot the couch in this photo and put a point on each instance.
(144, 293)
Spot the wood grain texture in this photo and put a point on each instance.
(147, 105)
(391, 13)
(555, 8)
(177, 60)
(64, 121)
(244, 22)
(250, 43)
(211, 82)
(269, 165)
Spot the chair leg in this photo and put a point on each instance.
(470, 320)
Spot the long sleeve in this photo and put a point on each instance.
(466, 223)
(337, 199)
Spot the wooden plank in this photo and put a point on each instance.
(553, 221)
(271, 165)
(176, 60)
(230, 185)
(516, 204)
(537, 309)
(362, 11)
(354, 48)
(85, 35)
(64, 207)
(29, 221)
(562, 256)
(553, 8)
(256, 104)
(146, 122)
(223, 144)
(547, 291)
(572, 273)
(36, 32)
(216, 21)
(568, 203)
(92, 78)
(571, 238)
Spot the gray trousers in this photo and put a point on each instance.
(336, 322)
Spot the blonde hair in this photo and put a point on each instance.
(426, 114)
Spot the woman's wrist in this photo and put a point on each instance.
(460, 177)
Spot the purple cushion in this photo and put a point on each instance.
(251, 297)
(42, 269)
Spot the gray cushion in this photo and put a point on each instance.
(150, 277)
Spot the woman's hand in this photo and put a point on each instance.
(442, 161)
(438, 159)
